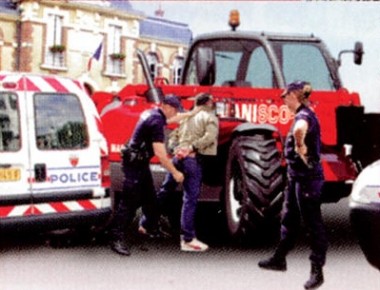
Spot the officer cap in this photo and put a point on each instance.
(174, 101)
(297, 86)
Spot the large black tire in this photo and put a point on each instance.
(254, 184)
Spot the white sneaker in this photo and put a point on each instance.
(193, 246)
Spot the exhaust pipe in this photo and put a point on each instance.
(153, 94)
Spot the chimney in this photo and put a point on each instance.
(159, 12)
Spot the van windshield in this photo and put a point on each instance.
(60, 122)
(9, 122)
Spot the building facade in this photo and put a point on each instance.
(94, 41)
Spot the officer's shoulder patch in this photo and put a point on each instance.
(303, 114)
(146, 114)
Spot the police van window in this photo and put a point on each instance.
(9, 123)
(60, 122)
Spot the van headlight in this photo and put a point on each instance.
(367, 194)
(366, 188)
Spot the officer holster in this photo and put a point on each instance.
(135, 155)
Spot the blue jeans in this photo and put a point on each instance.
(302, 200)
(192, 170)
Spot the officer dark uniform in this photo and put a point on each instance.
(138, 187)
(303, 191)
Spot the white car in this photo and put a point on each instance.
(365, 212)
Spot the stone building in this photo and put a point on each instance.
(94, 41)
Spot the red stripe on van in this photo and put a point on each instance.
(36, 210)
(86, 204)
(59, 207)
(5, 210)
(57, 85)
(27, 85)
(79, 84)
(29, 211)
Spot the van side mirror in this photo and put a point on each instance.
(358, 53)
(205, 64)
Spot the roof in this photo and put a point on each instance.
(255, 35)
(153, 27)
(121, 4)
(124, 5)
(8, 7)
(163, 29)
(41, 82)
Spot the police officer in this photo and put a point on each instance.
(138, 188)
(303, 191)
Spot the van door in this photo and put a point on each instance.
(65, 163)
(15, 195)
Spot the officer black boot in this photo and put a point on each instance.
(276, 263)
(316, 277)
(120, 246)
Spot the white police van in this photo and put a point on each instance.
(54, 169)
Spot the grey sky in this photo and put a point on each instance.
(339, 24)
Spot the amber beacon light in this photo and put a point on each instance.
(234, 20)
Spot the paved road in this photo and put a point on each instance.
(33, 264)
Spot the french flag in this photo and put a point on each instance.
(96, 56)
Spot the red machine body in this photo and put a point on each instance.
(246, 73)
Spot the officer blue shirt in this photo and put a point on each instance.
(296, 166)
(149, 129)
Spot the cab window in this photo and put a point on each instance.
(9, 123)
(259, 72)
(238, 62)
(60, 122)
(304, 61)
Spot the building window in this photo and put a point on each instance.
(115, 59)
(153, 64)
(54, 55)
(177, 69)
